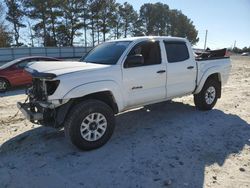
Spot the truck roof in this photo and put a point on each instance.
(151, 37)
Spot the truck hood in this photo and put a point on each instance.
(59, 67)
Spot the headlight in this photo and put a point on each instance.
(52, 86)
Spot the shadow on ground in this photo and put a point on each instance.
(13, 92)
(150, 146)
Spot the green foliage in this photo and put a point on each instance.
(155, 18)
(182, 26)
(128, 18)
(39, 11)
(60, 22)
(72, 12)
(63, 34)
(94, 16)
(158, 19)
(106, 16)
(5, 37)
(15, 15)
(239, 50)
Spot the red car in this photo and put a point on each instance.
(13, 73)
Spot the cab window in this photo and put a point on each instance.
(150, 51)
(176, 51)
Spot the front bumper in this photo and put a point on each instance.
(31, 115)
(37, 114)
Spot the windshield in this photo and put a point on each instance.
(106, 53)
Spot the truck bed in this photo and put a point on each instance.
(211, 54)
(220, 64)
(210, 58)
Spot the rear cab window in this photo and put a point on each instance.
(177, 51)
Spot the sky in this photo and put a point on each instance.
(227, 21)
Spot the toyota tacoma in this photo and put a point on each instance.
(84, 96)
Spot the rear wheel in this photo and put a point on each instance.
(4, 84)
(90, 124)
(207, 98)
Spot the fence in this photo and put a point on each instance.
(8, 54)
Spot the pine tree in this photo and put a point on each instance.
(72, 12)
(129, 18)
(15, 15)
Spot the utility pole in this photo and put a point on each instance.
(234, 43)
(205, 45)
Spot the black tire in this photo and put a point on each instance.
(200, 99)
(80, 112)
(4, 85)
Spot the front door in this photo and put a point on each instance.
(145, 82)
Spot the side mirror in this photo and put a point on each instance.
(134, 61)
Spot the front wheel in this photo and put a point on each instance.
(207, 98)
(3, 85)
(90, 124)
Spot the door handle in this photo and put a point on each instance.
(161, 71)
(190, 67)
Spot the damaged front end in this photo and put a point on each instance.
(38, 108)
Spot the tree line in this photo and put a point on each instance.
(240, 50)
(61, 22)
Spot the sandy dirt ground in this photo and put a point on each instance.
(170, 144)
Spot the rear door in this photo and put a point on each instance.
(145, 82)
(181, 69)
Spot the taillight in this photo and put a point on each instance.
(227, 54)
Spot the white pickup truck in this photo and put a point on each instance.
(118, 75)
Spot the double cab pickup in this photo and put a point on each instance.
(84, 96)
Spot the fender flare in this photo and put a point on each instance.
(204, 77)
(97, 86)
